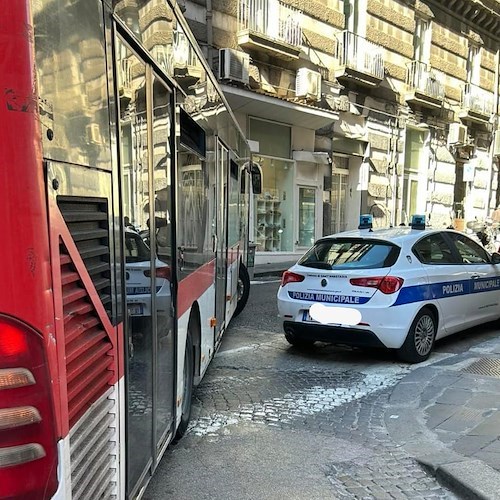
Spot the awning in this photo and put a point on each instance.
(276, 109)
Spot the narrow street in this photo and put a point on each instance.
(271, 422)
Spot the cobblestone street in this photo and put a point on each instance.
(264, 388)
(271, 422)
(343, 403)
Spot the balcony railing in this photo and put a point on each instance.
(477, 100)
(424, 80)
(271, 18)
(355, 52)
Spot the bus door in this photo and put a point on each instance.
(234, 236)
(146, 131)
(221, 167)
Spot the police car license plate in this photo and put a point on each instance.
(307, 317)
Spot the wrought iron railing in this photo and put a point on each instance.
(355, 52)
(271, 18)
(422, 78)
(477, 99)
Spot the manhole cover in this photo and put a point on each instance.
(485, 366)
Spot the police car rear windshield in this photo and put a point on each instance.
(352, 253)
(135, 248)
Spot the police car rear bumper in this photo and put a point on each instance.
(355, 337)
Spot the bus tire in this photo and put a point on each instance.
(243, 289)
(187, 394)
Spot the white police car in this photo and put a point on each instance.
(400, 288)
(138, 278)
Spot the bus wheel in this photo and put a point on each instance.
(187, 394)
(243, 289)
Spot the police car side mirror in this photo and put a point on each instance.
(495, 258)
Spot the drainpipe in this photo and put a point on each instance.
(496, 124)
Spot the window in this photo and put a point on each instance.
(135, 249)
(422, 40)
(346, 253)
(473, 64)
(470, 251)
(434, 249)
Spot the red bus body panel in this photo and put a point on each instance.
(26, 289)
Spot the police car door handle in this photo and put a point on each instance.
(475, 276)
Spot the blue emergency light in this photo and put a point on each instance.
(417, 222)
(365, 221)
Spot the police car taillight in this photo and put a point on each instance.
(160, 272)
(28, 453)
(386, 284)
(289, 277)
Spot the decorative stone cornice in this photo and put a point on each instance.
(423, 10)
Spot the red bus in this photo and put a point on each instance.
(124, 189)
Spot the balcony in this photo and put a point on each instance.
(359, 60)
(270, 26)
(476, 105)
(423, 86)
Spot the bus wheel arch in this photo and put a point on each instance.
(243, 290)
(191, 365)
(194, 328)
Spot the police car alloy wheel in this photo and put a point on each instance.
(420, 340)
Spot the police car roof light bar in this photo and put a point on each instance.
(417, 222)
(365, 221)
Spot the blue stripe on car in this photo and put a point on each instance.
(446, 289)
(409, 294)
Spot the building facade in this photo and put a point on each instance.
(359, 106)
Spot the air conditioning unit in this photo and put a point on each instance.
(308, 84)
(457, 134)
(496, 144)
(233, 65)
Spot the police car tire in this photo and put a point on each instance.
(408, 351)
(299, 343)
(187, 395)
(244, 287)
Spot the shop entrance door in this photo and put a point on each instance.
(306, 216)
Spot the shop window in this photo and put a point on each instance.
(274, 206)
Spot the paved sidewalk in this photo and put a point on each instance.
(275, 269)
(447, 415)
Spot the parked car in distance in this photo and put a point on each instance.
(399, 288)
(138, 277)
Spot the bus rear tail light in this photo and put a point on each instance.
(289, 277)
(28, 442)
(19, 416)
(386, 284)
(12, 378)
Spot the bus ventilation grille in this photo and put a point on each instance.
(88, 360)
(93, 448)
(87, 221)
